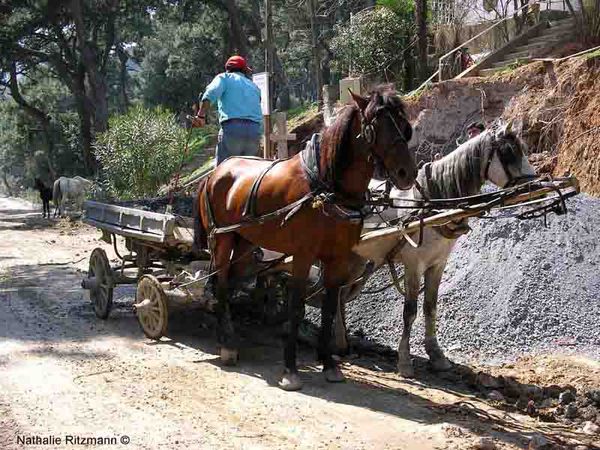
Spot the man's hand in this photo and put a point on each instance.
(198, 121)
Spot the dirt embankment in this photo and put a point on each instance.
(559, 111)
(553, 106)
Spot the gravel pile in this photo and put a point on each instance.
(510, 287)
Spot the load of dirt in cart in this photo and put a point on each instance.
(180, 205)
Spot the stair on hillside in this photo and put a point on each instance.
(558, 32)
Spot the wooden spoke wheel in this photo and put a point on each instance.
(151, 307)
(101, 294)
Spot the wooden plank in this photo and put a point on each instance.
(127, 232)
(90, 204)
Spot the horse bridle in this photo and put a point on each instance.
(369, 134)
(511, 180)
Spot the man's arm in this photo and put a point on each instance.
(212, 93)
(203, 109)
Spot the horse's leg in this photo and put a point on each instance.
(226, 338)
(290, 380)
(334, 275)
(356, 269)
(433, 277)
(340, 334)
(412, 278)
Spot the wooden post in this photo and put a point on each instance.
(280, 136)
(262, 81)
(267, 137)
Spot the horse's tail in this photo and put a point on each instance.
(56, 192)
(200, 236)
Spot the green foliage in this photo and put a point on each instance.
(140, 151)
(375, 40)
(199, 140)
(592, 55)
(24, 150)
(300, 114)
(180, 59)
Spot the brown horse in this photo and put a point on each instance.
(372, 132)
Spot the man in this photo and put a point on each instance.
(475, 129)
(238, 102)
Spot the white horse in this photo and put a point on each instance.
(498, 157)
(69, 190)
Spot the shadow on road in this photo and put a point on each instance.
(46, 303)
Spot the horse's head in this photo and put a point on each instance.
(505, 158)
(386, 131)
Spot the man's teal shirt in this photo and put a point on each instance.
(236, 97)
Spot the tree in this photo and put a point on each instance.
(140, 151)
(375, 42)
(421, 24)
(75, 39)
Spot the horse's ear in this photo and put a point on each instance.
(361, 102)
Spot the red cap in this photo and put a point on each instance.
(236, 62)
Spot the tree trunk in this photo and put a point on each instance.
(239, 40)
(315, 47)
(123, 59)
(421, 22)
(5, 181)
(282, 81)
(85, 112)
(94, 69)
(409, 69)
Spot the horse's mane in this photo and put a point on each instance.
(336, 139)
(459, 173)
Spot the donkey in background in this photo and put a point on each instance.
(45, 196)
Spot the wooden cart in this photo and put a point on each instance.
(158, 259)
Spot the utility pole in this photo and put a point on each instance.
(315, 46)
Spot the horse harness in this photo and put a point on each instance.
(322, 192)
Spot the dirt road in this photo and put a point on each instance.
(65, 373)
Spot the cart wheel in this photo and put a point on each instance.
(151, 307)
(102, 294)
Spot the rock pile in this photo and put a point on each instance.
(510, 288)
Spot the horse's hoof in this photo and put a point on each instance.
(440, 364)
(229, 356)
(290, 382)
(406, 369)
(334, 375)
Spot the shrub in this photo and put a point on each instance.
(140, 151)
(375, 40)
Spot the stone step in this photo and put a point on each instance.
(507, 61)
(551, 38)
(533, 47)
(562, 22)
(517, 55)
(488, 72)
